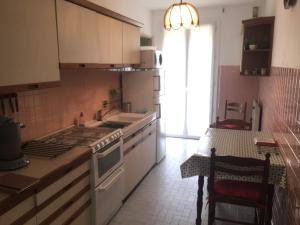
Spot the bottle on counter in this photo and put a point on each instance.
(81, 120)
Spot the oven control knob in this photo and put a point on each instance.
(107, 141)
(102, 143)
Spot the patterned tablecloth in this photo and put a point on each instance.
(235, 143)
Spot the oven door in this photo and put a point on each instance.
(107, 197)
(106, 162)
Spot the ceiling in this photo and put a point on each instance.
(162, 4)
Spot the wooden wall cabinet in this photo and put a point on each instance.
(109, 39)
(131, 44)
(257, 46)
(88, 37)
(77, 33)
(28, 42)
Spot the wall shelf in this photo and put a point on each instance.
(259, 32)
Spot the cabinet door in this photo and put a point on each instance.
(148, 151)
(77, 33)
(132, 169)
(131, 44)
(109, 40)
(28, 42)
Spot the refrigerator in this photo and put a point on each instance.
(144, 89)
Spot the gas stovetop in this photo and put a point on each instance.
(52, 146)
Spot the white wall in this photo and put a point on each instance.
(269, 7)
(286, 49)
(228, 24)
(130, 8)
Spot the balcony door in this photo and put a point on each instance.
(189, 67)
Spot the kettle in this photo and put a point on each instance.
(10, 139)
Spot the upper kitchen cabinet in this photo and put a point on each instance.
(88, 38)
(29, 49)
(77, 33)
(131, 44)
(109, 40)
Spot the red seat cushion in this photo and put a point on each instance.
(230, 126)
(240, 189)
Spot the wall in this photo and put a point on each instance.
(280, 97)
(48, 110)
(130, 8)
(228, 22)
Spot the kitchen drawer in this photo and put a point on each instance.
(18, 211)
(84, 218)
(67, 214)
(32, 221)
(132, 141)
(63, 199)
(53, 188)
(150, 128)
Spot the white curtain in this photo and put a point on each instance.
(188, 63)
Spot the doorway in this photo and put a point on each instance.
(189, 80)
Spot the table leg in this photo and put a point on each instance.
(270, 203)
(199, 199)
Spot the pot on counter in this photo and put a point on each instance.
(11, 156)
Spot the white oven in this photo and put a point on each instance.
(107, 179)
(107, 160)
(107, 197)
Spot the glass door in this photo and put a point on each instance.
(189, 66)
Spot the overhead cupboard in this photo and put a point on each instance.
(40, 37)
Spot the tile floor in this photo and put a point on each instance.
(164, 198)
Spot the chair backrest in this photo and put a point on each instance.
(235, 107)
(243, 167)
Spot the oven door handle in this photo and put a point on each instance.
(106, 186)
(106, 152)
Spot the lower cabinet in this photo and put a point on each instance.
(84, 217)
(67, 201)
(132, 170)
(140, 158)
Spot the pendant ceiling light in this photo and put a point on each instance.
(182, 14)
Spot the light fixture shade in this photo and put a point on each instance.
(179, 15)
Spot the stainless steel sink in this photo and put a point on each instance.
(115, 125)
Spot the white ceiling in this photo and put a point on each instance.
(162, 4)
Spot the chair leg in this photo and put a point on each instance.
(211, 213)
(262, 217)
(255, 216)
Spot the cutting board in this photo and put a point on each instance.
(15, 184)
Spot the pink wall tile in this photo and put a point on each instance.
(45, 111)
(236, 88)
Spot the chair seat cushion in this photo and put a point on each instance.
(230, 126)
(239, 189)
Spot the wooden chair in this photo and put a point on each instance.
(235, 124)
(235, 107)
(241, 193)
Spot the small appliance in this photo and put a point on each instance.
(151, 59)
(11, 156)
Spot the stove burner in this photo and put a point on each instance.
(61, 142)
(43, 149)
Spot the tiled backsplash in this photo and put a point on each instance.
(48, 110)
(280, 97)
(236, 88)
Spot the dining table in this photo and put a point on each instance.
(239, 143)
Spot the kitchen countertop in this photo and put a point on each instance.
(42, 168)
(45, 168)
